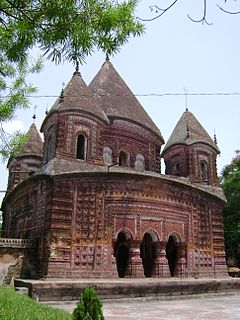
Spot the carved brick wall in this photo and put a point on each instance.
(87, 213)
(127, 136)
(189, 159)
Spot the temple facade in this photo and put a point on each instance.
(92, 197)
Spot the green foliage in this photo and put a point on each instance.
(89, 306)
(15, 306)
(65, 30)
(13, 86)
(10, 144)
(13, 95)
(70, 29)
(230, 182)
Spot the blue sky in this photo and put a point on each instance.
(175, 53)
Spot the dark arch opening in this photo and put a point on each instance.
(123, 159)
(148, 254)
(176, 170)
(81, 147)
(122, 254)
(171, 254)
(49, 148)
(204, 171)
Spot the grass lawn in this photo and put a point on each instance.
(15, 306)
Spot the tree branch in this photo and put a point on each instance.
(228, 12)
(203, 19)
(23, 12)
(157, 10)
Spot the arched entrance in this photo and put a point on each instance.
(122, 254)
(171, 254)
(148, 254)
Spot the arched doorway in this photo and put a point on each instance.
(171, 254)
(122, 254)
(148, 254)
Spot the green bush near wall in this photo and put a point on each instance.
(89, 306)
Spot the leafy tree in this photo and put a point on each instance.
(13, 95)
(65, 30)
(69, 29)
(89, 306)
(230, 181)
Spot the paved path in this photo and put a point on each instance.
(207, 307)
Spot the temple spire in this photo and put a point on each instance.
(186, 98)
(34, 114)
(215, 137)
(77, 69)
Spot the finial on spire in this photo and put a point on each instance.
(186, 96)
(46, 111)
(107, 57)
(77, 68)
(215, 137)
(61, 97)
(34, 114)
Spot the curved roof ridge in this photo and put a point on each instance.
(117, 99)
(189, 131)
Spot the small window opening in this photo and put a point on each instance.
(107, 156)
(139, 163)
(204, 171)
(123, 159)
(176, 170)
(49, 148)
(81, 147)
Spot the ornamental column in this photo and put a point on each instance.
(162, 261)
(114, 264)
(181, 265)
(135, 266)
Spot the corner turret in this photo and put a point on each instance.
(190, 152)
(27, 160)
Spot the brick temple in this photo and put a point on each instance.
(92, 197)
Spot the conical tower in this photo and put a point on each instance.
(70, 126)
(190, 151)
(132, 138)
(117, 99)
(27, 160)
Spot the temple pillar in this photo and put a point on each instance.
(114, 264)
(135, 266)
(162, 268)
(181, 265)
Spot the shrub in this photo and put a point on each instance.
(89, 306)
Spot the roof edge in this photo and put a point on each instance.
(69, 111)
(190, 144)
(210, 190)
(138, 123)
